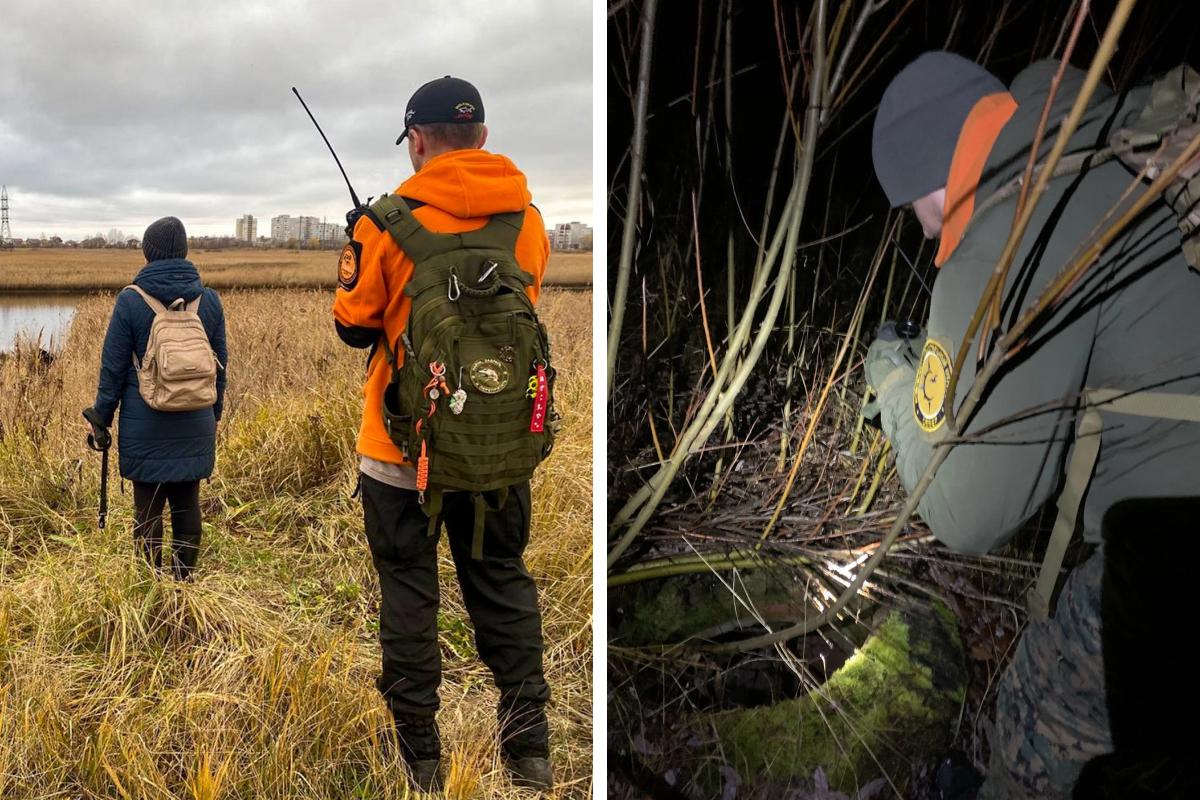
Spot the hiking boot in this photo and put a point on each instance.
(426, 775)
(533, 772)
(525, 742)
(524, 731)
(421, 747)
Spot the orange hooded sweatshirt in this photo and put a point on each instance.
(461, 190)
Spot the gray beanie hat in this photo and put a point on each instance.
(920, 116)
(165, 238)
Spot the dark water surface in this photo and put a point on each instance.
(44, 317)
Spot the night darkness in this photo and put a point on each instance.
(1004, 36)
(1157, 37)
(727, 487)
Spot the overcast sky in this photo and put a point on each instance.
(115, 113)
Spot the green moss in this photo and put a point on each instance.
(891, 704)
(667, 611)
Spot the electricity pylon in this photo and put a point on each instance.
(5, 233)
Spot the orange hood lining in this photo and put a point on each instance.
(980, 131)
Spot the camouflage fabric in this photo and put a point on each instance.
(1051, 715)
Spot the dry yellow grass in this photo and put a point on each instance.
(256, 680)
(87, 270)
(569, 269)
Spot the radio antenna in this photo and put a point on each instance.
(353, 196)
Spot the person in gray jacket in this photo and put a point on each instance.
(948, 138)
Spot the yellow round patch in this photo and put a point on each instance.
(929, 389)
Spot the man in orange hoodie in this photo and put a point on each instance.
(456, 187)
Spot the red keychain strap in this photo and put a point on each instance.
(541, 397)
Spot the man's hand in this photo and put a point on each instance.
(895, 346)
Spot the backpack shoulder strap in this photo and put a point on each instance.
(194, 306)
(500, 232)
(1161, 405)
(155, 306)
(410, 235)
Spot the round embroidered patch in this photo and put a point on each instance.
(348, 267)
(489, 375)
(929, 389)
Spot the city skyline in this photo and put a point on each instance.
(215, 227)
(562, 236)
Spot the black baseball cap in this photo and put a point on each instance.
(443, 100)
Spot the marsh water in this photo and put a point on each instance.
(43, 317)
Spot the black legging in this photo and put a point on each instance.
(148, 501)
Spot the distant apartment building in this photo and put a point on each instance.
(247, 229)
(571, 236)
(306, 228)
(331, 232)
(283, 228)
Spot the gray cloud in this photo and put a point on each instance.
(115, 113)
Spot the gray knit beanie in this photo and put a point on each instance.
(165, 238)
(920, 116)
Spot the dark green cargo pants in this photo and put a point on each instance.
(500, 596)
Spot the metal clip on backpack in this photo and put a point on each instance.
(471, 403)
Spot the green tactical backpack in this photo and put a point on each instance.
(1159, 134)
(473, 403)
(1151, 137)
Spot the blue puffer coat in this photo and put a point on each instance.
(159, 446)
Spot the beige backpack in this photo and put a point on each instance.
(179, 370)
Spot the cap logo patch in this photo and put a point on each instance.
(409, 115)
(929, 388)
(466, 112)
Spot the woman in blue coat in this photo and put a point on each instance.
(164, 454)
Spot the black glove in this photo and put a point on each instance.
(99, 438)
